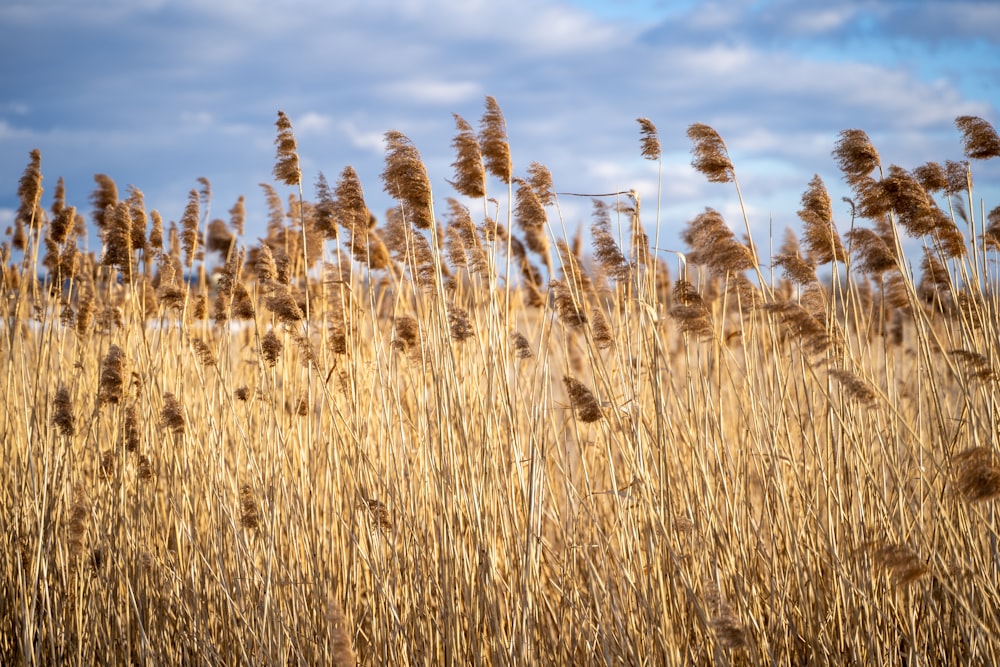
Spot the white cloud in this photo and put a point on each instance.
(431, 91)
(312, 122)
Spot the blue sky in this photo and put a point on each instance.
(157, 93)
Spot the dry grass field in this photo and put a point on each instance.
(472, 437)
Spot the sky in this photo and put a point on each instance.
(157, 93)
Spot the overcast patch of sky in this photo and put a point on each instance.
(159, 92)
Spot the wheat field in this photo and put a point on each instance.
(464, 436)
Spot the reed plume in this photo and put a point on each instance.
(76, 523)
(856, 157)
(493, 142)
(991, 234)
(85, 313)
(29, 193)
(58, 195)
(459, 326)
(286, 166)
(325, 215)
(932, 177)
(405, 180)
(203, 351)
(713, 244)
(855, 388)
(139, 218)
(690, 310)
(802, 325)
(62, 412)
(249, 513)
(649, 141)
(600, 330)
(793, 265)
(156, 232)
(470, 173)
(219, 239)
(710, 155)
(899, 561)
(118, 239)
(130, 435)
(874, 252)
(520, 346)
(351, 211)
(977, 366)
(62, 224)
(237, 215)
(569, 310)
(820, 236)
(112, 382)
(976, 474)
(406, 334)
(189, 228)
(172, 414)
(528, 210)
(606, 251)
(106, 194)
(587, 407)
(144, 471)
(540, 179)
(979, 138)
(284, 306)
(342, 650)
(463, 243)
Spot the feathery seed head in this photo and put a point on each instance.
(405, 179)
(650, 139)
(493, 142)
(979, 138)
(286, 167)
(470, 173)
(710, 155)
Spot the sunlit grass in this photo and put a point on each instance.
(464, 436)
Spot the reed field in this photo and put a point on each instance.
(462, 432)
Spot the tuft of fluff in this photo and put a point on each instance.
(588, 409)
(172, 414)
(62, 413)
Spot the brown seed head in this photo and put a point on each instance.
(172, 414)
(249, 514)
(62, 412)
(112, 382)
(649, 139)
(856, 156)
(189, 228)
(819, 234)
(710, 155)
(520, 346)
(105, 195)
(854, 387)
(979, 138)
(470, 173)
(493, 142)
(405, 179)
(270, 348)
(29, 192)
(528, 210)
(286, 166)
(588, 409)
(976, 474)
